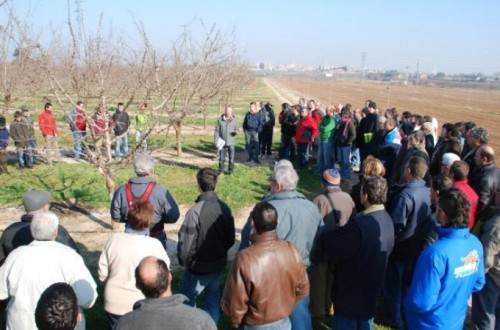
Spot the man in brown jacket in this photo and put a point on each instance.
(258, 291)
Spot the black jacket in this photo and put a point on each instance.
(486, 184)
(121, 122)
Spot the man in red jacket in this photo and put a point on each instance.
(47, 124)
(100, 131)
(307, 131)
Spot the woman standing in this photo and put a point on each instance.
(343, 137)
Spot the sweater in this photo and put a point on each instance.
(47, 123)
(447, 273)
(327, 128)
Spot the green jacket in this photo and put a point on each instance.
(327, 128)
(141, 121)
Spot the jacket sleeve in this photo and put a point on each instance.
(117, 210)
(103, 264)
(302, 288)
(171, 211)
(84, 286)
(426, 284)
(485, 191)
(491, 242)
(230, 229)
(234, 302)
(314, 129)
(399, 212)
(245, 235)
(188, 236)
(352, 135)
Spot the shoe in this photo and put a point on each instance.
(221, 173)
(257, 161)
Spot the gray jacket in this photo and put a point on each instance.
(226, 129)
(490, 237)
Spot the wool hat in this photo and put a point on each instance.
(331, 177)
(449, 158)
(34, 200)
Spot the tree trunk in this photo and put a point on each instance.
(178, 137)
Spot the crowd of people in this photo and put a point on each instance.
(410, 243)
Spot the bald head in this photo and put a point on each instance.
(152, 277)
(484, 155)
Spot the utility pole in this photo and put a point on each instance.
(418, 74)
(363, 61)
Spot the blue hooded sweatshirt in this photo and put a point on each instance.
(446, 275)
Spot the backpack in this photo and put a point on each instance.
(145, 196)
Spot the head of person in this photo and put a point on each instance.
(453, 209)
(285, 106)
(264, 217)
(79, 105)
(427, 119)
(57, 308)
(447, 161)
(459, 170)
(207, 179)
(228, 111)
(44, 226)
(416, 168)
(144, 106)
(427, 128)
(467, 128)
(389, 124)
(253, 107)
(416, 139)
(373, 167)
(284, 177)
(120, 106)
(311, 105)
(153, 278)
(485, 155)
(36, 200)
(330, 178)
(26, 112)
(381, 122)
(140, 215)
(330, 110)
(372, 106)
(302, 102)
(478, 136)
(418, 120)
(47, 106)
(373, 191)
(345, 115)
(391, 113)
(99, 109)
(18, 116)
(304, 112)
(144, 164)
(406, 116)
(439, 183)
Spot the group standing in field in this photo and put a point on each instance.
(417, 235)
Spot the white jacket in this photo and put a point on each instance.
(30, 269)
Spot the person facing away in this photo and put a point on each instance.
(448, 271)
(57, 308)
(161, 309)
(121, 124)
(226, 129)
(30, 269)
(204, 240)
(258, 293)
(144, 187)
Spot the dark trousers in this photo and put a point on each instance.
(266, 141)
(287, 148)
(112, 320)
(486, 306)
(252, 145)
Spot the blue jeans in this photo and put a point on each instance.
(252, 145)
(283, 324)
(78, 138)
(345, 165)
(192, 285)
(33, 148)
(355, 156)
(325, 156)
(24, 157)
(486, 306)
(393, 291)
(303, 150)
(300, 317)
(121, 144)
(222, 158)
(343, 323)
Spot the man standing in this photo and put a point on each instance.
(266, 135)
(307, 131)
(252, 126)
(366, 130)
(361, 249)
(47, 124)
(121, 123)
(141, 127)
(100, 131)
(448, 271)
(226, 129)
(204, 239)
(161, 309)
(144, 187)
(31, 128)
(30, 269)
(19, 132)
(19, 233)
(4, 142)
(409, 207)
(486, 182)
(78, 124)
(258, 292)
(476, 138)
(299, 223)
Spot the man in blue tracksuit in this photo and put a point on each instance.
(252, 126)
(447, 272)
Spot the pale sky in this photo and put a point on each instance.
(455, 36)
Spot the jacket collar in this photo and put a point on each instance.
(462, 233)
(26, 218)
(160, 303)
(282, 195)
(268, 236)
(373, 208)
(207, 196)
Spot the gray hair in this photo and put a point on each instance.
(143, 164)
(285, 174)
(43, 225)
(481, 134)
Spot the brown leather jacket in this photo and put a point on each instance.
(266, 281)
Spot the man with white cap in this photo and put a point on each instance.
(18, 233)
(446, 161)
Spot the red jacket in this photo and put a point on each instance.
(307, 130)
(100, 124)
(47, 123)
(317, 116)
(473, 199)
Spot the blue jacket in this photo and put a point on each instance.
(4, 138)
(253, 122)
(361, 249)
(410, 205)
(446, 275)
